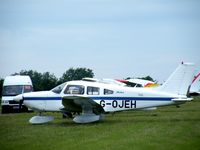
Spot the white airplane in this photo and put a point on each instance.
(87, 101)
(138, 83)
(107, 81)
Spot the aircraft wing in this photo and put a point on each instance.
(81, 104)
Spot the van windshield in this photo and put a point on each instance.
(28, 88)
(12, 90)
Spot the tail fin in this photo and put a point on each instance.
(180, 80)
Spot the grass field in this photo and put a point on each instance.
(167, 128)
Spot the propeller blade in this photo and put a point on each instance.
(20, 105)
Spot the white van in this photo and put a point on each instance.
(12, 86)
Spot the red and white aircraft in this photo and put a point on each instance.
(195, 87)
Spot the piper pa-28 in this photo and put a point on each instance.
(87, 101)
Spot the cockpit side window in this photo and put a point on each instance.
(92, 90)
(74, 89)
(108, 92)
(58, 88)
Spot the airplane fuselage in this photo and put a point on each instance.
(110, 97)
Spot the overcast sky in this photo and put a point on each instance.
(114, 38)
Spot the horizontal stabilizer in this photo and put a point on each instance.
(182, 99)
(150, 108)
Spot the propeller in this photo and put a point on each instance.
(20, 99)
(20, 104)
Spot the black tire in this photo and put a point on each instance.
(4, 109)
(25, 109)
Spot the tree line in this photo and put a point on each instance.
(47, 81)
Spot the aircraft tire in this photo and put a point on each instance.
(4, 109)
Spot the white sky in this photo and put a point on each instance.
(117, 39)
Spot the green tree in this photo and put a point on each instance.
(76, 74)
(1, 86)
(45, 81)
(144, 78)
(36, 78)
(49, 81)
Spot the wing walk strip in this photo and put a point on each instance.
(107, 98)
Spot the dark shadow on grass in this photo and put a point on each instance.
(118, 121)
(130, 117)
(180, 110)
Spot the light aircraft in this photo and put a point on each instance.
(138, 83)
(106, 81)
(87, 101)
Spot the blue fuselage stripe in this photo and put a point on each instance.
(107, 98)
(42, 98)
(134, 98)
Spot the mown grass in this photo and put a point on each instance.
(168, 128)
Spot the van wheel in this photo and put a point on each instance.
(4, 109)
(25, 109)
